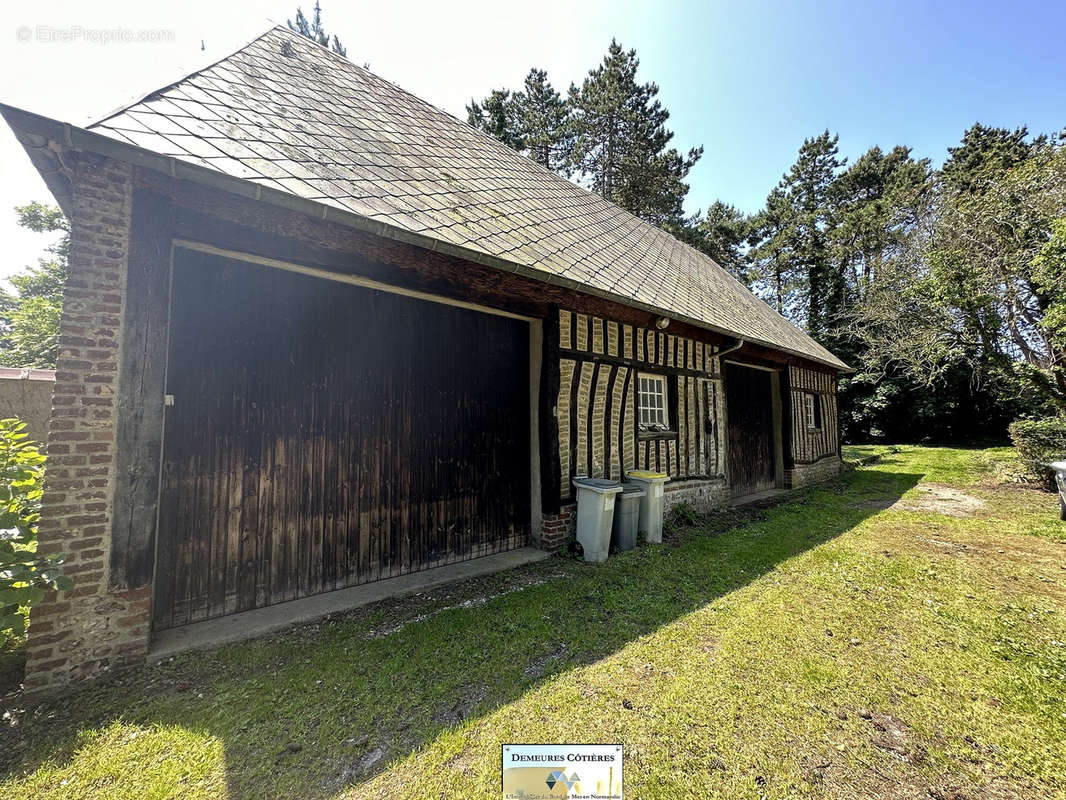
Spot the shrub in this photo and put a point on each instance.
(681, 515)
(1039, 441)
(24, 575)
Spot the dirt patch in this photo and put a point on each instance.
(892, 735)
(357, 770)
(929, 498)
(814, 769)
(538, 666)
(402, 615)
(462, 708)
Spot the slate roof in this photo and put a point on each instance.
(286, 113)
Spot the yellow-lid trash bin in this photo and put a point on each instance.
(651, 505)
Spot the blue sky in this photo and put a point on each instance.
(750, 80)
(747, 80)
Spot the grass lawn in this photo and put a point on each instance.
(899, 632)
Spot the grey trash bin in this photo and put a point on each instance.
(627, 516)
(1060, 481)
(651, 506)
(595, 515)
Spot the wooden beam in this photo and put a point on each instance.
(643, 366)
(354, 280)
(140, 394)
(550, 468)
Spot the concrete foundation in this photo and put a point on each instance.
(257, 622)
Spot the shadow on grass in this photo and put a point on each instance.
(305, 714)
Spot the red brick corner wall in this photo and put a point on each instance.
(556, 530)
(88, 630)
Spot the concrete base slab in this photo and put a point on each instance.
(257, 622)
(768, 494)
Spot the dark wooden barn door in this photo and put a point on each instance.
(749, 409)
(324, 435)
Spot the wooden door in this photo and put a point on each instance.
(749, 409)
(325, 435)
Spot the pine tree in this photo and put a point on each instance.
(621, 143)
(545, 124)
(721, 233)
(878, 202)
(794, 234)
(775, 268)
(315, 31)
(536, 121)
(983, 149)
(498, 116)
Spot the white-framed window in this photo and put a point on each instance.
(651, 401)
(812, 411)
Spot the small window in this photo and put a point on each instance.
(651, 400)
(812, 410)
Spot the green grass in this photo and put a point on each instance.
(830, 646)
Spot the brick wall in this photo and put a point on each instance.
(701, 495)
(558, 529)
(87, 630)
(805, 474)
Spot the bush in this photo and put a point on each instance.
(680, 515)
(1039, 441)
(24, 575)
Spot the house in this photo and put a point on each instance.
(319, 333)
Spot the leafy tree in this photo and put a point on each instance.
(24, 574)
(29, 317)
(314, 30)
(622, 144)
(979, 286)
(878, 202)
(1049, 280)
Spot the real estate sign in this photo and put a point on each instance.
(574, 771)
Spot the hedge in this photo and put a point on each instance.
(1038, 442)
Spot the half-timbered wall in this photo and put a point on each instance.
(107, 417)
(599, 361)
(813, 444)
